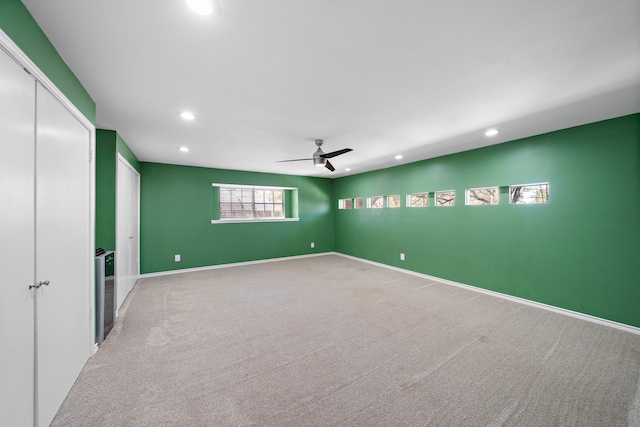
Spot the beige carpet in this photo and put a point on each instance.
(329, 341)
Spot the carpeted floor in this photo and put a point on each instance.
(329, 341)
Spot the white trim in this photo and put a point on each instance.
(257, 187)
(564, 311)
(251, 220)
(233, 264)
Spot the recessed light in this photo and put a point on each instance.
(348, 169)
(399, 157)
(491, 132)
(184, 149)
(187, 115)
(201, 7)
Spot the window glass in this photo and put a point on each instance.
(418, 200)
(345, 204)
(445, 198)
(483, 196)
(248, 203)
(529, 193)
(375, 202)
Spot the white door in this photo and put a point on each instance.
(127, 264)
(17, 105)
(63, 252)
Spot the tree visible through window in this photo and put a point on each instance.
(445, 198)
(483, 196)
(393, 201)
(247, 203)
(375, 202)
(529, 193)
(418, 200)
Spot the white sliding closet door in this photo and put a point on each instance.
(17, 135)
(63, 252)
(127, 229)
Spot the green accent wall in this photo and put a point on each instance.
(581, 251)
(108, 145)
(177, 205)
(19, 25)
(105, 190)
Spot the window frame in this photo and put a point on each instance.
(370, 204)
(435, 198)
(422, 193)
(393, 207)
(342, 204)
(468, 191)
(531, 185)
(254, 219)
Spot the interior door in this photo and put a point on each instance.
(63, 252)
(127, 232)
(17, 135)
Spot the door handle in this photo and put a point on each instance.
(37, 285)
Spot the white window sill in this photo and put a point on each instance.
(249, 220)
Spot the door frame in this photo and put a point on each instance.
(121, 161)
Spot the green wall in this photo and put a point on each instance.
(19, 25)
(581, 251)
(177, 206)
(108, 145)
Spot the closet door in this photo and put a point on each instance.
(17, 106)
(127, 233)
(63, 252)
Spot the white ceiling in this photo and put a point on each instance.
(418, 77)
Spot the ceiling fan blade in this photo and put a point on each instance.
(335, 153)
(293, 160)
(329, 166)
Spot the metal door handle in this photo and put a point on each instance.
(37, 285)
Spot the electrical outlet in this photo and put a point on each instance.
(177, 257)
(313, 245)
(401, 257)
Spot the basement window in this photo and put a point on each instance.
(345, 204)
(375, 202)
(249, 203)
(418, 200)
(483, 196)
(445, 198)
(358, 203)
(527, 194)
(393, 201)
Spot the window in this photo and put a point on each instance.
(418, 200)
(358, 203)
(375, 202)
(529, 193)
(345, 204)
(445, 198)
(393, 201)
(241, 203)
(483, 196)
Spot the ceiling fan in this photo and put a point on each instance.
(320, 157)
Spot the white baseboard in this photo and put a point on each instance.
(234, 264)
(587, 317)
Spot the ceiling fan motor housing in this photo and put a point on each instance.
(317, 159)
